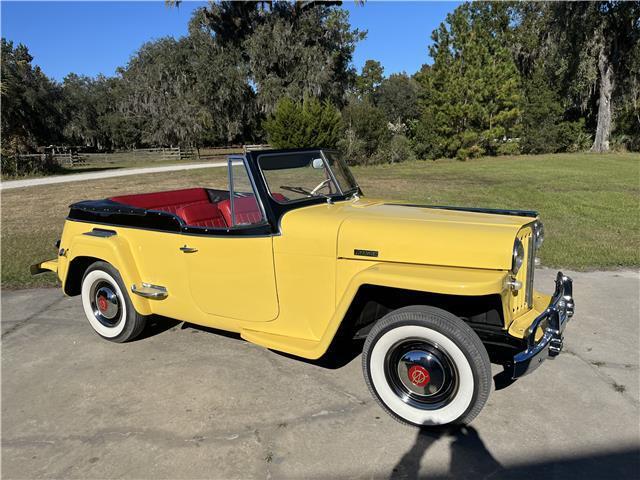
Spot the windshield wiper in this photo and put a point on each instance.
(308, 193)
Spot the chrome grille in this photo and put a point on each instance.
(522, 300)
(531, 267)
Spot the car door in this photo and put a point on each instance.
(230, 269)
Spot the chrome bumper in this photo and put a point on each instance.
(553, 321)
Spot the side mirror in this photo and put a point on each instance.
(317, 163)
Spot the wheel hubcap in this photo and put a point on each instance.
(105, 303)
(421, 374)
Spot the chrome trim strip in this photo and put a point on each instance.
(148, 290)
(531, 267)
(101, 232)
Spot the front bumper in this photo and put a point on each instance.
(552, 322)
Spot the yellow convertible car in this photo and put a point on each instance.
(292, 256)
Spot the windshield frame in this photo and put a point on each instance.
(341, 193)
(346, 171)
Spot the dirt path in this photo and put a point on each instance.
(78, 177)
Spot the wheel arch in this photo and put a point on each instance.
(372, 302)
(473, 295)
(115, 250)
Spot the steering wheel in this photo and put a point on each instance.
(320, 186)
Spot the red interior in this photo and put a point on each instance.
(203, 214)
(195, 208)
(245, 208)
(169, 201)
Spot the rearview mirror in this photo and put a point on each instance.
(317, 163)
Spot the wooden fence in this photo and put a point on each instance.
(70, 157)
(142, 155)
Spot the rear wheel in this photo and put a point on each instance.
(426, 367)
(107, 304)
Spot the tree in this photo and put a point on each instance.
(80, 111)
(597, 39)
(295, 50)
(627, 109)
(309, 123)
(187, 92)
(397, 96)
(159, 81)
(31, 103)
(470, 97)
(370, 78)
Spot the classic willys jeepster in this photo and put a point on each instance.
(291, 255)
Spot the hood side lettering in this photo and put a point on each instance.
(365, 253)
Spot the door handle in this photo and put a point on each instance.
(186, 249)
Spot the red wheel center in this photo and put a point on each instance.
(418, 375)
(102, 304)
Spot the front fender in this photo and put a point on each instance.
(444, 280)
(114, 250)
(425, 278)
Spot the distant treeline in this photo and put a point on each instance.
(506, 78)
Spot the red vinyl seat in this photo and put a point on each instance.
(203, 214)
(169, 201)
(278, 196)
(245, 208)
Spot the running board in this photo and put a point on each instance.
(155, 292)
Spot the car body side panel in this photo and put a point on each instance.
(450, 280)
(155, 257)
(232, 277)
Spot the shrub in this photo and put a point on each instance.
(300, 125)
(572, 137)
(398, 149)
(474, 151)
(508, 148)
(366, 132)
(20, 165)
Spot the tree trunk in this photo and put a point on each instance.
(603, 129)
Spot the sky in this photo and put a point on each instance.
(95, 37)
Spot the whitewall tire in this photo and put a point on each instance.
(426, 367)
(107, 305)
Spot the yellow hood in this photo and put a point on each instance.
(423, 235)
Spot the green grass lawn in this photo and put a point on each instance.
(589, 203)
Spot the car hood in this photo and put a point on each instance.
(447, 236)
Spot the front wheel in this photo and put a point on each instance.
(107, 304)
(426, 367)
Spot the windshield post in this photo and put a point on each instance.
(331, 174)
(231, 190)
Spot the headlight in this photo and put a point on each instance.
(539, 234)
(518, 256)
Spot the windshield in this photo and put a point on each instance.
(298, 175)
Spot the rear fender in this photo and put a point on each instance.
(115, 250)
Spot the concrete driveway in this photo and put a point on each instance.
(191, 403)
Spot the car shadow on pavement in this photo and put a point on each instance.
(156, 325)
(215, 331)
(470, 458)
(339, 354)
(469, 455)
